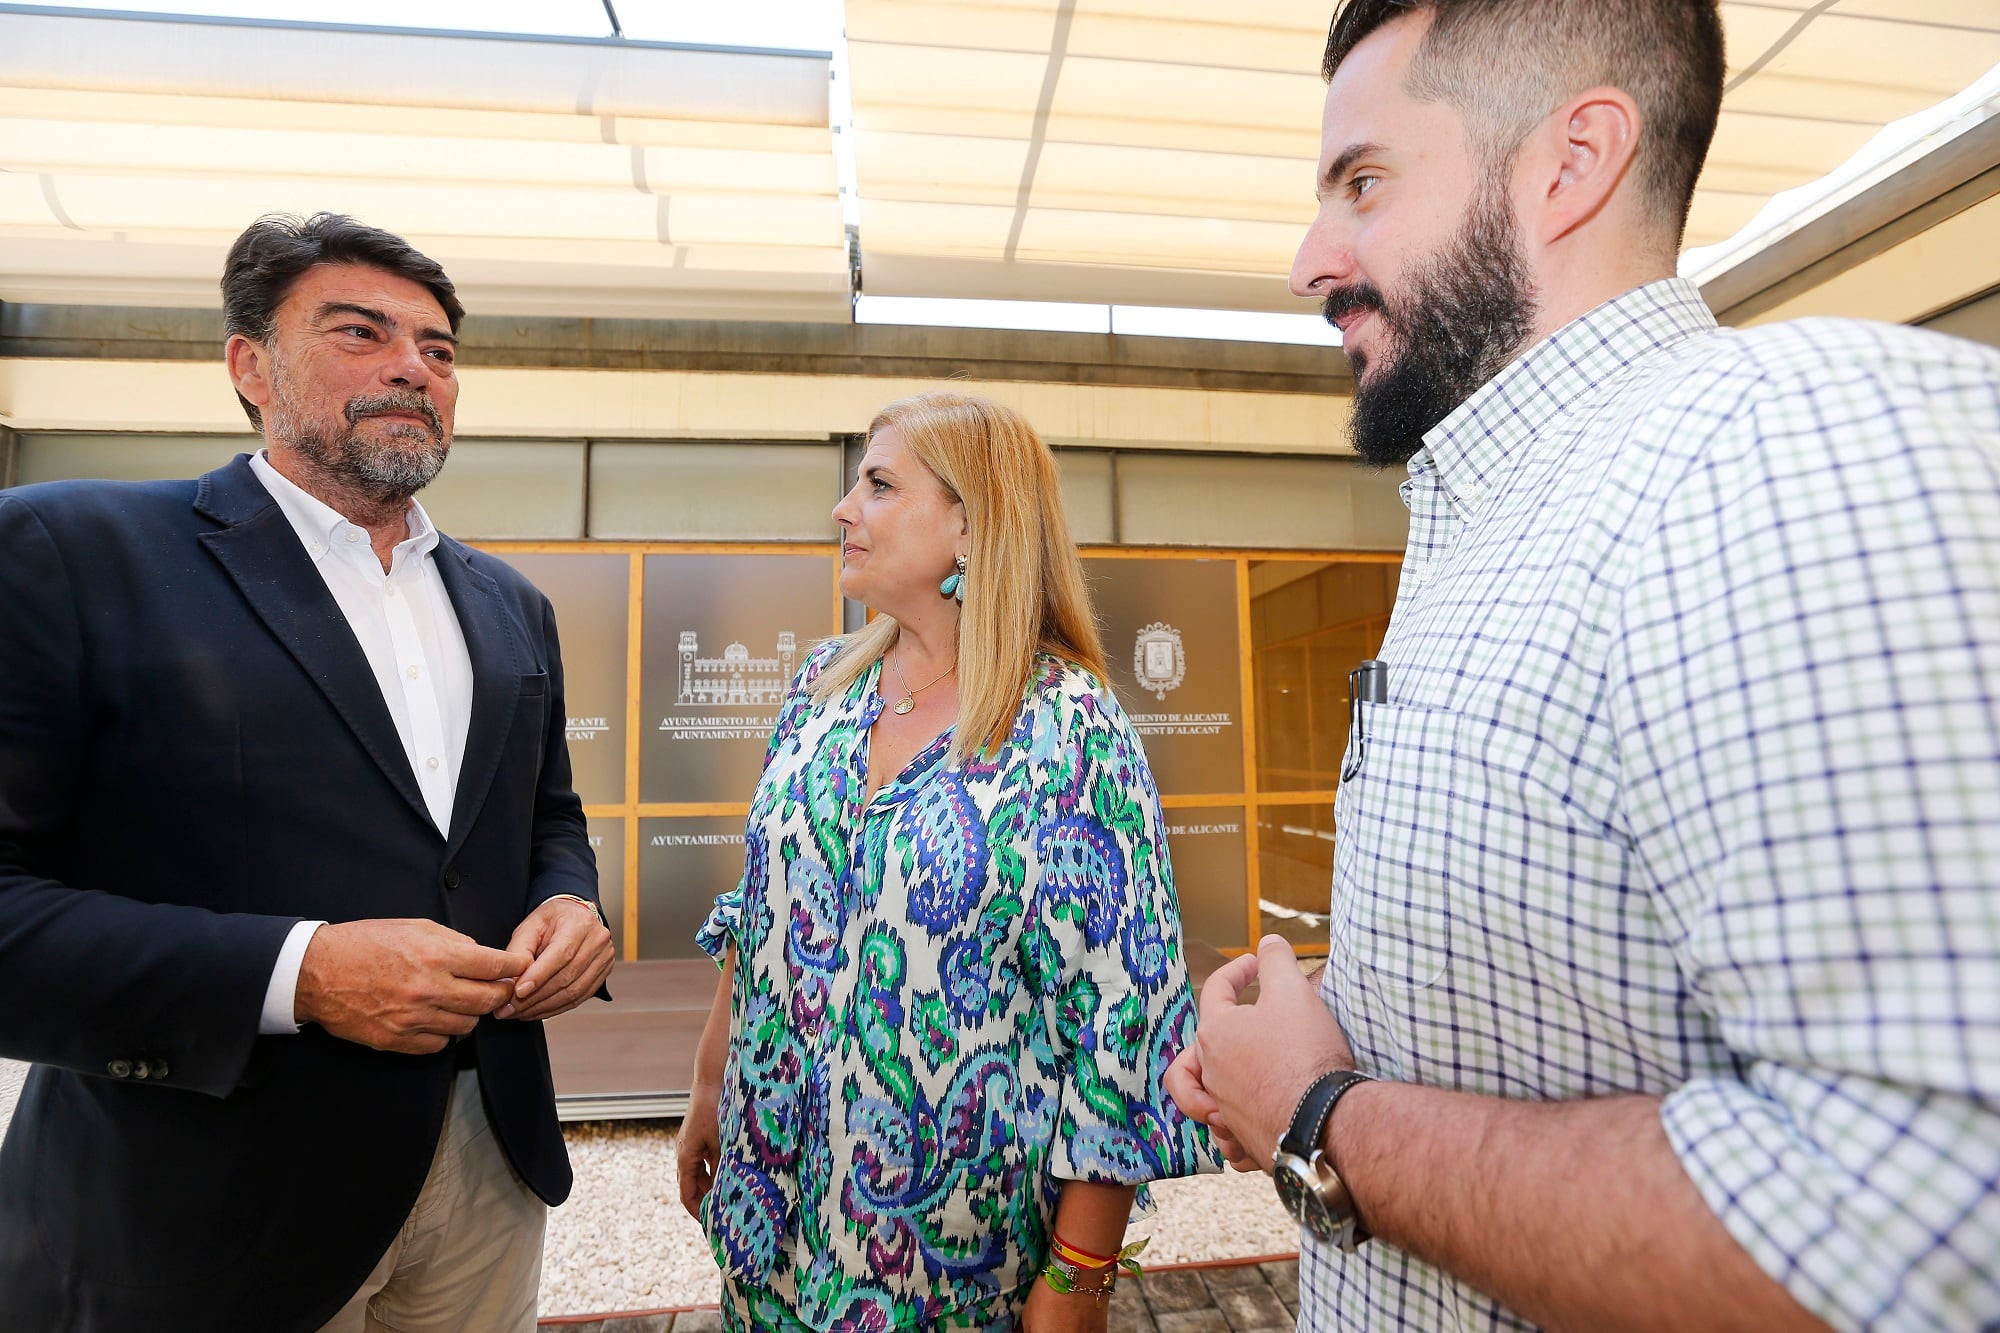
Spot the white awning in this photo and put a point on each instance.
(1128, 153)
(1160, 152)
(563, 177)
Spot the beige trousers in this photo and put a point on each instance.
(469, 1259)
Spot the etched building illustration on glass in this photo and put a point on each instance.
(735, 677)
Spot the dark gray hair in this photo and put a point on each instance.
(275, 249)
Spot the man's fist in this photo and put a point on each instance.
(571, 952)
(401, 985)
(1243, 1072)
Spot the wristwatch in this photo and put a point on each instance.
(1307, 1185)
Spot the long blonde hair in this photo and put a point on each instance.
(1024, 590)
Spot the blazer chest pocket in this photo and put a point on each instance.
(1392, 874)
(531, 699)
(529, 733)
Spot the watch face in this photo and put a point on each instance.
(1297, 1190)
(1293, 1184)
(1317, 1219)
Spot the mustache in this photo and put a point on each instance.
(1352, 299)
(396, 400)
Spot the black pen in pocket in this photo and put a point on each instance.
(1368, 683)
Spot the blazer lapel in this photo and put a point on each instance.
(260, 551)
(497, 655)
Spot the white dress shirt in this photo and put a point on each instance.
(404, 621)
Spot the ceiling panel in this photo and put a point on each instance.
(1012, 147)
(580, 178)
(1122, 151)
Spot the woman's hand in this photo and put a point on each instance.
(1052, 1311)
(698, 1149)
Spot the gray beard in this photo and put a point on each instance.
(387, 472)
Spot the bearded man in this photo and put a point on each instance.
(290, 863)
(1665, 925)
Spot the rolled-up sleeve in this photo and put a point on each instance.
(1809, 687)
(722, 925)
(1106, 955)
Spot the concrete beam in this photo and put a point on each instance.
(1930, 272)
(80, 332)
(506, 402)
(1977, 319)
(1932, 190)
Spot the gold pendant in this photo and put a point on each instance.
(906, 705)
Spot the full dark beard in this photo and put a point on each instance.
(390, 472)
(1470, 309)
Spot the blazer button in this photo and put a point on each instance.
(159, 1069)
(119, 1069)
(451, 878)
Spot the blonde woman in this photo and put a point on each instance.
(952, 974)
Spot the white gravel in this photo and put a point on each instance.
(622, 1241)
(12, 1072)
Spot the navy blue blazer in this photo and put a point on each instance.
(194, 755)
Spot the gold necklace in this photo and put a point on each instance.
(909, 699)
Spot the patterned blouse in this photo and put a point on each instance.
(949, 999)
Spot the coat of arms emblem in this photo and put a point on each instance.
(1158, 660)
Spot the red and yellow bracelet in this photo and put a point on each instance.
(1075, 1271)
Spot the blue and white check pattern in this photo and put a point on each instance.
(1689, 784)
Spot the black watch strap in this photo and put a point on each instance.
(1309, 1120)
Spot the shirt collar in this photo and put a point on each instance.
(1471, 448)
(322, 528)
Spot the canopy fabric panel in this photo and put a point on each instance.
(580, 178)
(1148, 152)
(1124, 152)
(1810, 84)
(1161, 151)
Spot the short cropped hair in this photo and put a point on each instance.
(1505, 64)
(275, 249)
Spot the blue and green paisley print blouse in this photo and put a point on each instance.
(949, 999)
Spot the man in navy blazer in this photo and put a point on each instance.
(290, 862)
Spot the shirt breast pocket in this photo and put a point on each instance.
(1392, 883)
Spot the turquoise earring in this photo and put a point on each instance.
(954, 583)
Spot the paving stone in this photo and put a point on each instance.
(1283, 1277)
(1181, 1289)
(1192, 1321)
(1128, 1311)
(1248, 1308)
(1230, 1298)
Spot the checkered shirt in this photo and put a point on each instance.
(1688, 783)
